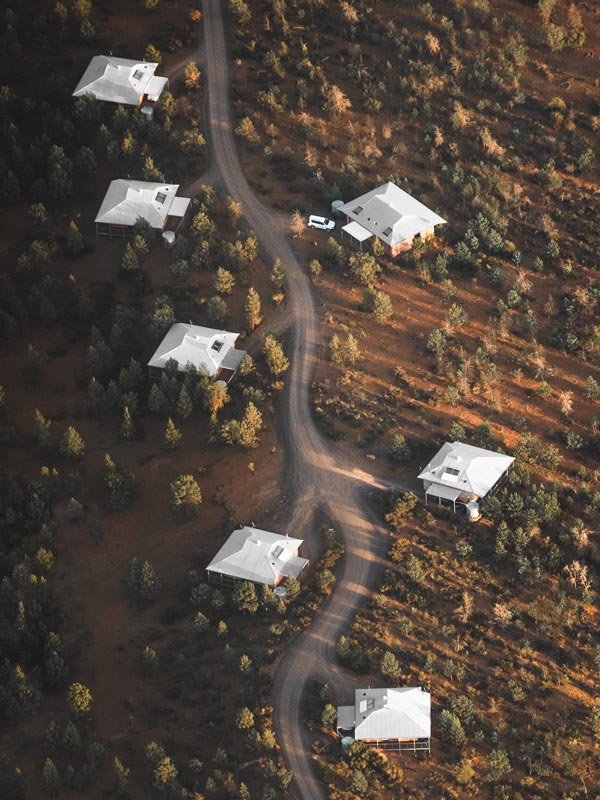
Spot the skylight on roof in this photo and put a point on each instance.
(387, 232)
(138, 75)
(161, 197)
(357, 210)
(216, 346)
(277, 551)
(452, 471)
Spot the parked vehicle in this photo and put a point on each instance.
(322, 223)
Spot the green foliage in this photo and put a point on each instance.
(275, 358)
(50, 777)
(142, 581)
(363, 269)
(389, 667)
(378, 303)
(72, 445)
(244, 432)
(401, 509)
(498, 765)
(245, 598)
(224, 281)
(186, 497)
(80, 699)
(344, 354)
(33, 369)
(120, 778)
(244, 719)
(217, 310)
(241, 12)
(119, 484)
(74, 240)
(451, 729)
(41, 430)
(252, 309)
(399, 450)
(328, 716)
(172, 436)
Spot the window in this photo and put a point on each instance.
(387, 232)
(216, 346)
(138, 75)
(161, 197)
(357, 210)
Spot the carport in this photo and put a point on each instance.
(357, 234)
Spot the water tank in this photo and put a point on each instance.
(221, 383)
(473, 512)
(168, 239)
(335, 207)
(148, 112)
(280, 592)
(347, 741)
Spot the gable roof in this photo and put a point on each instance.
(127, 200)
(252, 554)
(466, 468)
(205, 348)
(392, 713)
(120, 80)
(391, 214)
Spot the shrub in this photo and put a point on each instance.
(186, 496)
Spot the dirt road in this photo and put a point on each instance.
(315, 477)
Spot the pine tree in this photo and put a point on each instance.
(71, 739)
(390, 668)
(74, 240)
(252, 309)
(120, 778)
(244, 719)
(245, 432)
(344, 354)
(186, 496)
(184, 403)
(245, 598)
(223, 281)
(130, 261)
(157, 402)
(215, 398)
(50, 777)
(172, 436)
(33, 369)
(41, 430)
(191, 76)
(592, 389)
(72, 445)
(119, 483)
(80, 699)
(217, 310)
(149, 584)
(275, 358)
(278, 275)
(127, 429)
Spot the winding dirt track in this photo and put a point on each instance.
(316, 478)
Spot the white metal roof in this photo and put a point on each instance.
(260, 556)
(205, 348)
(357, 231)
(445, 492)
(465, 468)
(120, 80)
(391, 214)
(388, 714)
(179, 206)
(127, 200)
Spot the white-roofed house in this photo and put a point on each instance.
(251, 554)
(392, 719)
(461, 473)
(121, 80)
(207, 349)
(390, 214)
(126, 201)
